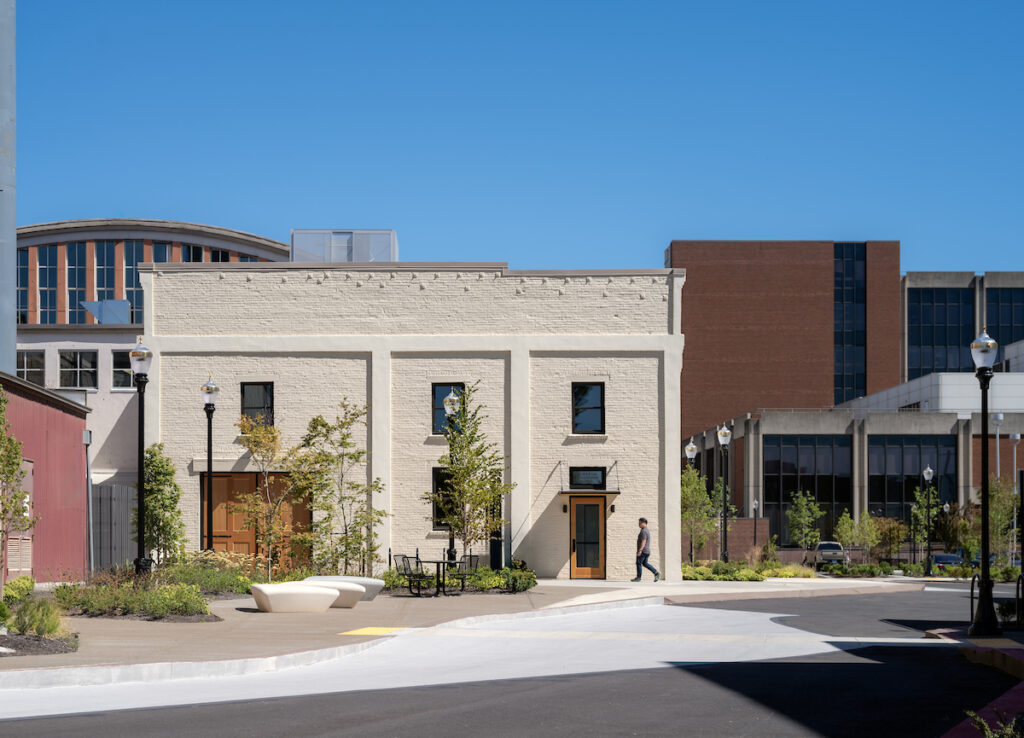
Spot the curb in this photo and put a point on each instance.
(733, 596)
(85, 676)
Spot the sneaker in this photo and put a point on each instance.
(657, 577)
(635, 580)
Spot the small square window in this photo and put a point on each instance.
(440, 481)
(190, 253)
(78, 369)
(438, 392)
(123, 375)
(588, 407)
(219, 255)
(587, 477)
(32, 367)
(258, 401)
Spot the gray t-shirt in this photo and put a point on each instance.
(643, 541)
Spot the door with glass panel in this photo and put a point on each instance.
(586, 543)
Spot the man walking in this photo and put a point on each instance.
(643, 552)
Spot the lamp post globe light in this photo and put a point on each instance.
(209, 392)
(928, 474)
(691, 452)
(724, 436)
(983, 351)
(140, 358)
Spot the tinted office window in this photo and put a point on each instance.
(588, 407)
(895, 466)
(47, 256)
(133, 255)
(78, 369)
(123, 374)
(587, 477)
(32, 367)
(1004, 314)
(821, 465)
(160, 252)
(258, 401)
(439, 391)
(247, 258)
(191, 253)
(76, 282)
(940, 327)
(105, 254)
(218, 255)
(440, 481)
(22, 277)
(850, 321)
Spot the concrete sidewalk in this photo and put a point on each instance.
(247, 640)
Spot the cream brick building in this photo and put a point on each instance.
(387, 335)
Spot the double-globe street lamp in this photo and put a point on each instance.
(928, 474)
(983, 351)
(140, 358)
(209, 392)
(724, 436)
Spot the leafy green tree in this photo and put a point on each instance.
(924, 517)
(474, 469)
(804, 514)
(164, 528)
(891, 534)
(328, 467)
(846, 530)
(698, 511)
(15, 511)
(868, 534)
(1002, 512)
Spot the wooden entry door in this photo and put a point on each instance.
(587, 540)
(229, 531)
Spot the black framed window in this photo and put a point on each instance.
(47, 256)
(1004, 315)
(895, 464)
(22, 286)
(105, 264)
(160, 251)
(133, 255)
(76, 282)
(940, 328)
(242, 257)
(439, 391)
(588, 407)
(123, 375)
(219, 255)
(850, 323)
(32, 367)
(439, 482)
(258, 401)
(588, 477)
(191, 253)
(78, 369)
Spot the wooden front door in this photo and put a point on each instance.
(587, 542)
(229, 531)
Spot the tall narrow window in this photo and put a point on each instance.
(191, 253)
(133, 255)
(76, 282)
(439, 391)
(32, 367)
(440, 482)
(22, 286)
(850, 323)
(105, 257)
(123, 375)
(588, 407)
(78, 369)
(160, 251)
(47, 283)
(258, 401)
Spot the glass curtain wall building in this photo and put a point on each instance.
(940, 328)
(850, 321)
(895, 467)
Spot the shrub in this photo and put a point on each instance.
(913, 570)
(158, 602)
(4, 614)
(719, 571)
(519, 580)
(18, 589)
(485, 578)
(38, 616)
(209, 580)
(785, 571)
(393, 579)
(885, 568)
(959, 571)
(1005, 573)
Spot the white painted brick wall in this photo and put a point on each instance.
(336, 301)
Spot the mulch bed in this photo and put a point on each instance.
(33, 645)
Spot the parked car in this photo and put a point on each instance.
(941, 561)
(829, 552)
(976, 561)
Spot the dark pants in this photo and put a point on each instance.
(641, 560)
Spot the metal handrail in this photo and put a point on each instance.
(975, 578)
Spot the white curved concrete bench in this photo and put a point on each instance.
(292, 597)
(348, 593)
(372, 586)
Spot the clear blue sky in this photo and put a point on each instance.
(545, 134)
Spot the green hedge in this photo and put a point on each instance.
(719, 571)
(126, 599)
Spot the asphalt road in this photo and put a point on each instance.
(875, 691)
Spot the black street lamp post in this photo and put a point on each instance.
(913, 534)
(724, 436)
(928, 474)
(691, 454)
(209, 392)
(983, 350)
(754, 504)
(452, 404)
(140, 358)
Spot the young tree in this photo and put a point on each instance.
(891, 534)
(868, 534)
(700, 513)
(804, 514)
(474, 470)
(164, 528)
(1002, 506)
(263, 509)
(328, 468)
(846, 530)
(925, 517)
(15, 512)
